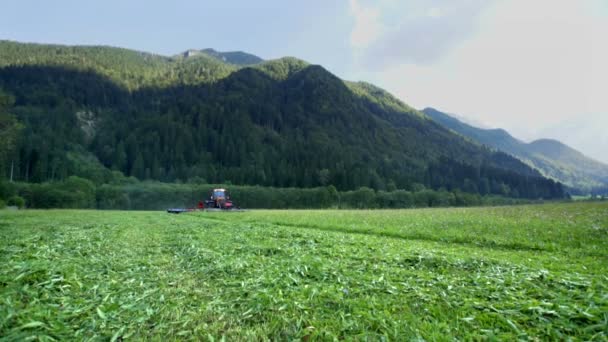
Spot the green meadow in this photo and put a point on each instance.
(536, 272)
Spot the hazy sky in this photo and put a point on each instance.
(535, 67)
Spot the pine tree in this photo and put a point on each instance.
(120, 158)
(138, 170)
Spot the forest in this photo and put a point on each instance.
(106, 114)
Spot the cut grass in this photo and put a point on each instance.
(436, 274)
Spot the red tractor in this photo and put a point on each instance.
(219, 199)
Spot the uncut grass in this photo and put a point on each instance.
(571, 227)
(86, 274)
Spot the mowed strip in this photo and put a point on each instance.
(295, 274)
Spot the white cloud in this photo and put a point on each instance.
(387, 33)
(528, 65)
(367, 25)
(436, 12)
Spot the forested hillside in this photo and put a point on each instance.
(551, 157)
(231, 57)
(96, 111)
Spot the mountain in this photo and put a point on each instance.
(283, 123)
(234, 57)
(127, 69)
(585, 132)
(238, 58)
(551, 157)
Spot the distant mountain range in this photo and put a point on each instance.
(232, 57)
(551, 157)
(230, 117)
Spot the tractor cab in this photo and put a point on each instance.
(218, 194)
(219, 198)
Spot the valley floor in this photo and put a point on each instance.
(535, 271)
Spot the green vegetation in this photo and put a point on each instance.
(10, 129)
(231, 57)
(126, 68)
(528, 272)
(16, 201)
(93, 111)
(130, 194)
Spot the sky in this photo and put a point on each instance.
(534, 67)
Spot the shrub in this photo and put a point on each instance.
(363, 197)
(16, 201)
(81, 192)
(7, 189)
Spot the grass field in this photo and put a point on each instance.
(531, 272)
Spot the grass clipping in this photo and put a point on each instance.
(530, 272)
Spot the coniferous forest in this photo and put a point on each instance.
(111, 116)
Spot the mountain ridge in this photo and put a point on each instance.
(552, 157)
(238, 58)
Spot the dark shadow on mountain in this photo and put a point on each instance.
(258, 126)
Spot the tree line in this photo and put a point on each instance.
(130, 194)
